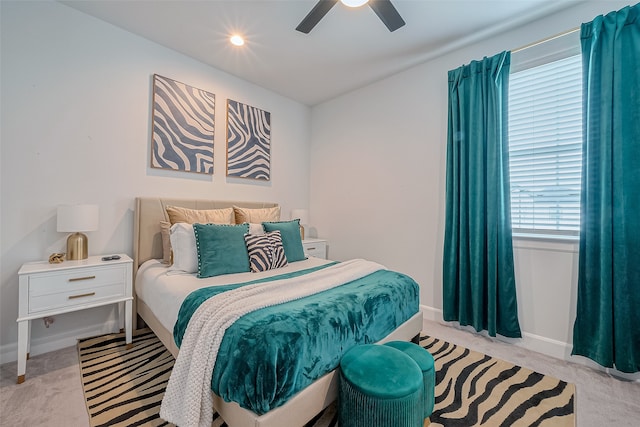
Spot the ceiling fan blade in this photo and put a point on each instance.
(387, 14)
(317, 13)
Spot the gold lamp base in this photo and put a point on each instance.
(77, 245)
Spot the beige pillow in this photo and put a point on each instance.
(165, 231)
(200, 216)
(256, 215)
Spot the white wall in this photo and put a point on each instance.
(378, 184)
(76, 114)
(76, 101)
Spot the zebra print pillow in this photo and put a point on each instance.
(266, 251)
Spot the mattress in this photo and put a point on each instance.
(163, 290)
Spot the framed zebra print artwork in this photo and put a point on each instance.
(183, 127)
(248, 141)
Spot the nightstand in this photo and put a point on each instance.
(315, 247)
(52, 289)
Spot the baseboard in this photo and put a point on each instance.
(562, 351)
(540, 344)
(550, 347)
(547, 346)
(430, 313)
(45, 344)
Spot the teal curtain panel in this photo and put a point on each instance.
(478, 273)
(607, 325)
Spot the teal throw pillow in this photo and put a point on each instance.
(291, 239)
(221, 249)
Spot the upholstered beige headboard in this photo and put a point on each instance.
(147, 240)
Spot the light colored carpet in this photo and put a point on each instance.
(52, 394)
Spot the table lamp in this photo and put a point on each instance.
(303, 216)
(77, 219)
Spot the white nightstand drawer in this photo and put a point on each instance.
(78, 295)
(315, 248)
(318, 251)
(75, 281)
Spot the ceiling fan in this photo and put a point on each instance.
(383, 8)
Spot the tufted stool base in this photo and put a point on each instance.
(380, 386)
(425, 361)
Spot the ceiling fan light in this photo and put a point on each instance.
(236, 40)
(354, 3)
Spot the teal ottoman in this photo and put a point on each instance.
(425, 361)
(380, 386)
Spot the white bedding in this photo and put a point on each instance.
(163, 290)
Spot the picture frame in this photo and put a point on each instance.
(183, 127)
(248, 141)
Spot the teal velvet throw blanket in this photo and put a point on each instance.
(270, 354)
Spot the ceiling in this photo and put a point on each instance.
(348, 49)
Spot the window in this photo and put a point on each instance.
(545, 147)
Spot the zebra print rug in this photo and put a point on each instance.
(125, 387)
(473, 389)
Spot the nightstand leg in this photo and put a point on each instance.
(28, 339)
(127, 323)
(121, 322)
(23, 342)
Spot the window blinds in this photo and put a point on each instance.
(545, 147)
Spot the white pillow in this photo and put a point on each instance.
(255, 228)
(183, 244)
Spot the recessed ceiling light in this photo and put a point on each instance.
(354, 3)
(237, 40)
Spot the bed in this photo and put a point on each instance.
(148, 248)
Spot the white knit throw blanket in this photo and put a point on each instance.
(188, 400)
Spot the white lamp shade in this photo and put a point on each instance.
(302, 214)
(77, 218)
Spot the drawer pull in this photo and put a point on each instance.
(311, 249)
(90, 294)
(77, 279)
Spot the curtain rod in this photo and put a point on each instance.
(573, 30)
